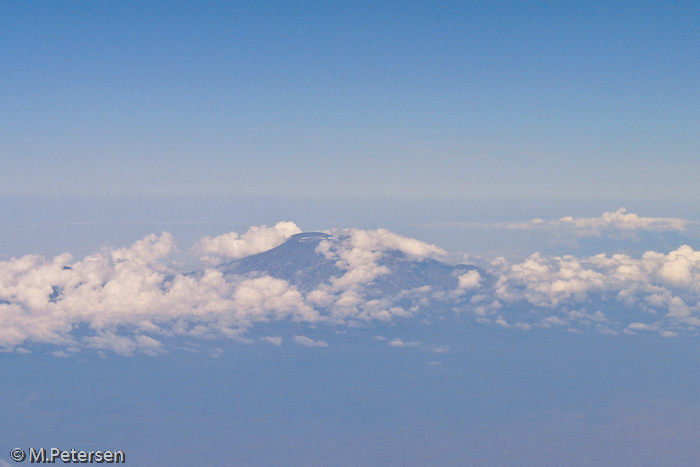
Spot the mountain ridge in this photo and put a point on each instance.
(299, 262)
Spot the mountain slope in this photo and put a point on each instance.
(299, 262)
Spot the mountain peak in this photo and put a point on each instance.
(299, 262)
(309, 237)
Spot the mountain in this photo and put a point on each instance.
(299, 262)
(295, 261)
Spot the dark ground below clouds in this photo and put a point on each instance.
(496, 398)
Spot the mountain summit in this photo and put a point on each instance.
(311, 260)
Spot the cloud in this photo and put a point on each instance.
(619, 220)
(470, 280)
(399, 343)
(254, 241)
(127, 301)
(358, 253)
(658, 285)
(308, 342)
(272, 340)
(122, 345)
(642, 327)
(622, 220)
(147, 251)
(126, 297)
(437, 348)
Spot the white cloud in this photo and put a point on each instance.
(42, 300)
(555, 320)
(642, 327)
(149, 346)
(127, 301)
(502, 322)
(255, 240)
(263, 298)
(110, 341)
(622, 220)
(399, 343)
(272, 340)
(123, 345)
(147, 251)
(619, 220)
(665, 284)
(358, 251)
(470, 280)
(308, 342)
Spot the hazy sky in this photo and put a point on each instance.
(528, 99)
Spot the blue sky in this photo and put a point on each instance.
(396, 99)
(554, 145)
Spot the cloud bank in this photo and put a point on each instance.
(618, 221)
(128, 302)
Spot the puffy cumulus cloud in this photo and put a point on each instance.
(19, 324)
(147, 251)
(382, 240)
(358, 259)
(30, 279)
(470, 280)
(234, 246)
(655, 286)
(546, 282)
(47, 300)
(359, 255)
(265, 298)
(125, 301)
(359, 251)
